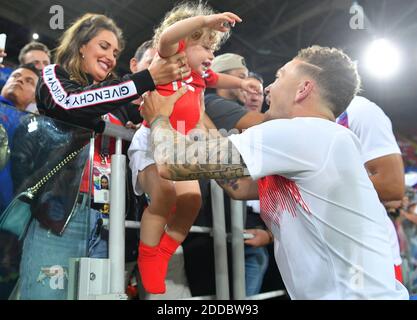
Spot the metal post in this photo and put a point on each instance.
(220, 244)
(238, 250)
(117, 220)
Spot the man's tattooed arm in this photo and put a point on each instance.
(194, 156)
(240, 189)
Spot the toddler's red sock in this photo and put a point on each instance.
(150, 270)
(167, 248)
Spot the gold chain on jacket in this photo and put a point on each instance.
(33, 190)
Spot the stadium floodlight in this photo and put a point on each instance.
(382, 59)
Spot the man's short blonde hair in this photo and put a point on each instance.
(187, 10)
(335, 73)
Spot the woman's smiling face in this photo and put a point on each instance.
(100, 55)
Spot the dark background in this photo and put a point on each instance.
(271, 34)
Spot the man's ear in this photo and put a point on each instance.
(304, 90)
(133, 65)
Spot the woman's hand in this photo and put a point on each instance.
(221, 21)
(155, 105)
(166, 70)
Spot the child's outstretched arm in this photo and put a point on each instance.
(168, 43)
(227, 81)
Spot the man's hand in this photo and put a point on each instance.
(133, 126)
(155, 105)
(166, 70)
(261, 237)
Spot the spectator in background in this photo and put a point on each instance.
(19, 90)
(408, 236)
(381, 157)
(411, 213)
(36, 53)
(16, 93)
(404, 217)
(3, 54)
(254, 101)
(39, 55)
(225, 108)
(143, 57)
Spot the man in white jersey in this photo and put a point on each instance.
(381, 156)
(307, 171)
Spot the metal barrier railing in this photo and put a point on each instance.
(238, 249)
(117, 220)
(219, 243)
(117, 225)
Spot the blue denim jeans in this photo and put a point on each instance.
(256, 264)
(45, 256)
(98, 244)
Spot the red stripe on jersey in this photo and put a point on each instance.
(278, 194)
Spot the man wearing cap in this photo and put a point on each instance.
(225, 108)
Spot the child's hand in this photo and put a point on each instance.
(221, 21)
(251, 85)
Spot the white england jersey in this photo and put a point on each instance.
(317, 199)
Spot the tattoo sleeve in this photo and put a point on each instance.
(230, 186)
(240, 189)
(196, 155)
